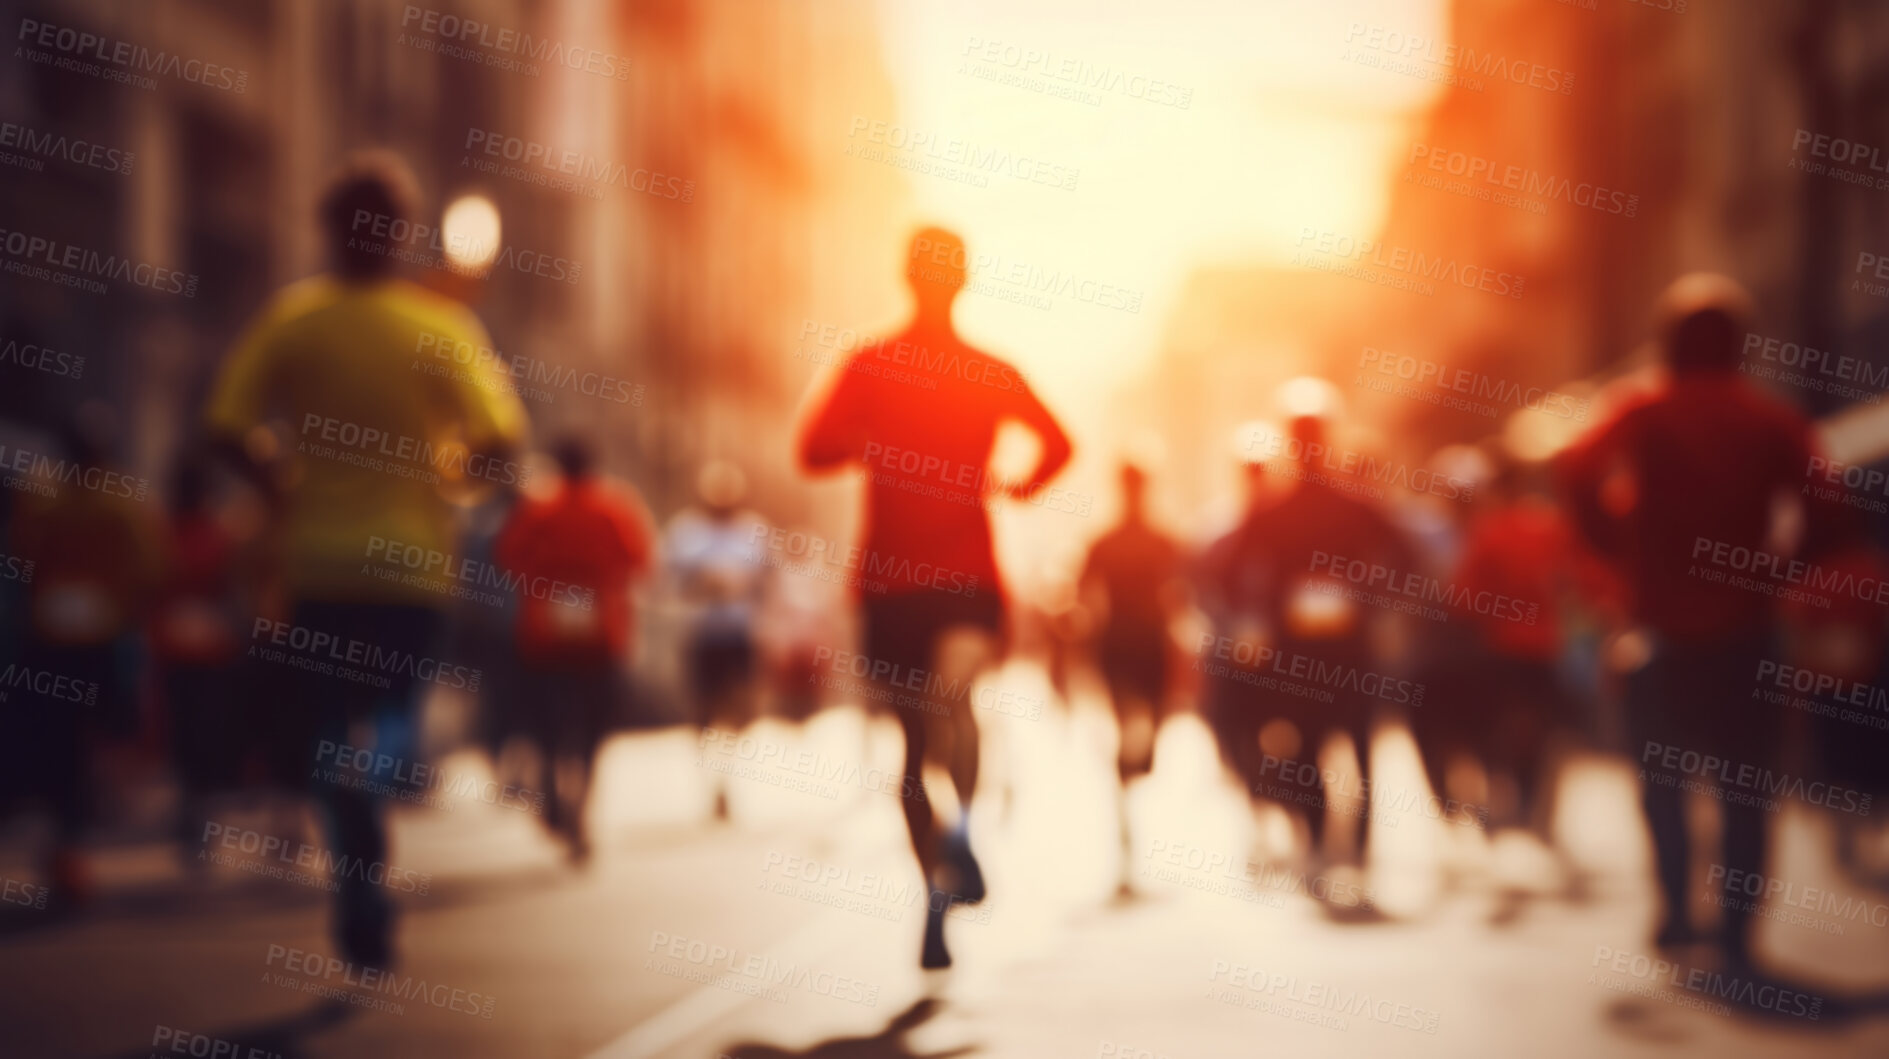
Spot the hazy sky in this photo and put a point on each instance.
(1279, 131)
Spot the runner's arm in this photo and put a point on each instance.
(489, 411)
(835, 434)
(1580, 476)
(1056, 446)
(242, 398)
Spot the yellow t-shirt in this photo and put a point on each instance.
(383, 425)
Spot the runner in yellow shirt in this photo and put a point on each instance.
(381, 433)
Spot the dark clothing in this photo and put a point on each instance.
(1850, 743)
(1699, 698)
(1350, 712)
(53, 700)
(572, 709)
(1134, 564)
(903, 629)
(573, 706)
(1290, 542)
(1276, 562)
(721, 663)
(1502, 711)
(207, 726)
(325, 707)
(1136, 667)
(193, 634)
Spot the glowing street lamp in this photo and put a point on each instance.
(470, 231)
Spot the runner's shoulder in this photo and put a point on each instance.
(431, 311)
(1781, 415)
(984, 357)
(980, 370)
(308, 299)
(297, 302)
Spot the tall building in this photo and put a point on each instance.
(672, 197)
(1596, 151)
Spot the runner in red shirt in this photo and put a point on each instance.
(1519, 565)
(193, 633)
(575, 553)
(95, 567)
(920, 412)
(1687, 474)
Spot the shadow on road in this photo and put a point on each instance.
(275, 1037)
(886, 1044)
(1811, 1008)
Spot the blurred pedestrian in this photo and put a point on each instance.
(804, 619)
(1230, 584)
(194, 635)
(72, 691)
(1132, 580)
(715, 552)
(1519, 566)
(1311, 624)
(380, 451)
(587, 541)
(1704, 461)
(1834, 673)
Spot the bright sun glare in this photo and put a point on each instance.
(1208, 150)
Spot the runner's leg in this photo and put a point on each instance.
(958, 655)
(895, 635)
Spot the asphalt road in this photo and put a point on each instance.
(794, 929)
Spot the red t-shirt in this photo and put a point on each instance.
(1704, 458)
(194, 621)
(97, 562)
(1524, 557)
(576, 553)
(920, 412)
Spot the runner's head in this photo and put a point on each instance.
(1250, 443)
(722, 487)
(1310, 404)
(935, 269)
(1703, 319)
(576, 457)
(1308, 432)
(1134, 489)
(373, 190)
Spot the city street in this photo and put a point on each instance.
(1370, 521)
(794, 929)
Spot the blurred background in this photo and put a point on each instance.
(1195, 210)
(1181, 219)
